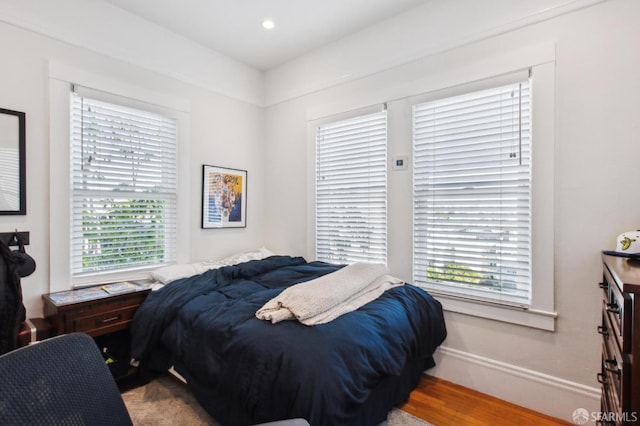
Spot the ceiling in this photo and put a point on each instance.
(234, 27)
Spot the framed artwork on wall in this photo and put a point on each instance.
(224, 197)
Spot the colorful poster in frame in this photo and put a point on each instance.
(224, 197)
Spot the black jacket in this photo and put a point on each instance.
(12, 311)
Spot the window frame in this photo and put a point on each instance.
(79, 98)
(540, 313)
(452, 71)
(61, 79)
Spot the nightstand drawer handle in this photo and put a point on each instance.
(110, 319)
(604, 285)
(603, 330)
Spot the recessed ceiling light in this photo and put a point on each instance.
(268, 24)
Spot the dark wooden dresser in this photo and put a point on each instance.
(620, 329)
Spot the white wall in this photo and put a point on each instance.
(224, 131)
(596, 155)
(596, 146)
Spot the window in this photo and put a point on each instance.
(472, 194)
(351, 190)
(124, 180)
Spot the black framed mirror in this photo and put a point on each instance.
(13, 185)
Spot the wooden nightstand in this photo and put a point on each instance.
(104, 316)
(92, 310)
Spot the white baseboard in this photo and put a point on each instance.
(531, 389)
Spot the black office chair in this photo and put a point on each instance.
(59, 381)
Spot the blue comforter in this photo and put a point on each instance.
(245, 371)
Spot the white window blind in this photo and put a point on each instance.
(351, 190)
(472, 195)
(123, 167)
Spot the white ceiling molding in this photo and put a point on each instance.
(108, 30)
(427, 30)
(106, 84)
(490, 65)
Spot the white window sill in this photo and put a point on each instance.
(527, 317)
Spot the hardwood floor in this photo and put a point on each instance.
(444, 403)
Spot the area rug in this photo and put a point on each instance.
(167, 401)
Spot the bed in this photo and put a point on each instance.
(244, 370)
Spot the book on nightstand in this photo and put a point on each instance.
(119, 287)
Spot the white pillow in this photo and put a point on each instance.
(246, 256)
(166, 274)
